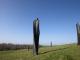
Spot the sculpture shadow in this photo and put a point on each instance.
(52, 50)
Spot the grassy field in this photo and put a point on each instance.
(62, 52)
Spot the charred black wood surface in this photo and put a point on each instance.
(36, 33)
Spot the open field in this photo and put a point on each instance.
(62, 52)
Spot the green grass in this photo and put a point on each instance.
(62, 52)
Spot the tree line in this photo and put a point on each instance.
(9, 46)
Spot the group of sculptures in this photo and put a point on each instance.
(36, 33)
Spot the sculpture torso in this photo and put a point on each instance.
(36, 26)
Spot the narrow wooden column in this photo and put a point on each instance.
(36, 33)
(78, 33)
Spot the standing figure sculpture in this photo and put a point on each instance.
(78, 32)
(36, 33)
(51, 43)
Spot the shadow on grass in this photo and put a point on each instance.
(53, 50)
(68, 57)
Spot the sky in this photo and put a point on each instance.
(58, 20)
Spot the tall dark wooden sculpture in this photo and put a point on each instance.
(51, 43)
(36, 33)
(78, 33)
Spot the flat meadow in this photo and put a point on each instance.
(58, 52)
